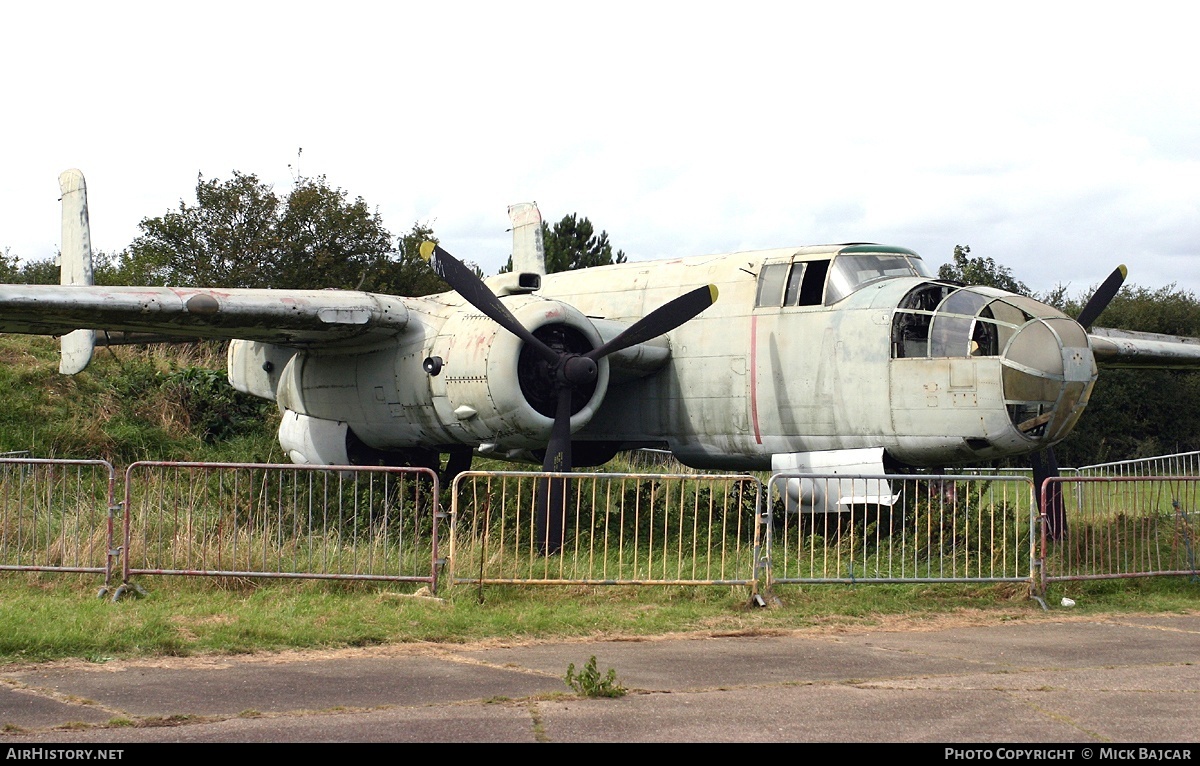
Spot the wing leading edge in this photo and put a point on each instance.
(1126, 349)
(296, 318)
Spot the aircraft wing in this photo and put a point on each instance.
(297, 318)
(1143, 350)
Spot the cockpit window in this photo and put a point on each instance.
(938, 320)
(770, 284)
(813, 282)
(851, 271)
(791, 284)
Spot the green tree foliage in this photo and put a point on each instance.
(106, 270)
(326, 240)
(228, 238)
(240, 233)
(406, 272)
(573, 244)
(980, 271)
(10, 269)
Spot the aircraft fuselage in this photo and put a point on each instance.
(780, 364)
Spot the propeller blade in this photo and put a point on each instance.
(1102, 297)
(552, 493)
(1045, 466)
(467, 284)
(558, 451)
(660, 321)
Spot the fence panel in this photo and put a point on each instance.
(284, 521)
(57, 516)
(1121, 526)
(900, 528)
(1178, 464)
(660, 529)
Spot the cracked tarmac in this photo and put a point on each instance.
(1048, 679)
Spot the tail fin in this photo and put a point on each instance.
(529, 254)
(75, 266)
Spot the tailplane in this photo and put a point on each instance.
(75, 266)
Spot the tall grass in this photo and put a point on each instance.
(161, 402)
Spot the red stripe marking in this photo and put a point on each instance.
(754, 377)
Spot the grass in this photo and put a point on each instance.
(132, 403)
(54, 617)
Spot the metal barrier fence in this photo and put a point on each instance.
(900, 528)
(57, 516)
(359, 523)
(663, 529)
(1178, 464)
(1111, 527)
(282, 521)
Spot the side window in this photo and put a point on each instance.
(792, 295)
(813, 289)
(791, 284)
(770, 284)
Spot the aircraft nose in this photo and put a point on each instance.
(1048, 373)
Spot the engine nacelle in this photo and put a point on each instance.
(313, 441)
(255, 368)
(492, 388)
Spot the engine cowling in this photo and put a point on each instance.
(313, 441)
(492, 388)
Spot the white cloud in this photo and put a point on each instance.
(1058, 139)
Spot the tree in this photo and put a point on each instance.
(10, 270)
(228, 238)
(406, 272)
(980, 271)
(45, 271)
(573, 244)
(240, 233)
(325, 240)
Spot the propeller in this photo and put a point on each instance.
(566, 371)
(1044, 464)
(1102, 297)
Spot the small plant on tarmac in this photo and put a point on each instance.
(589, 683)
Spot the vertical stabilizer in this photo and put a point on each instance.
(75, 266)
(529, 254)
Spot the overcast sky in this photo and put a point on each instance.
(1060, 139)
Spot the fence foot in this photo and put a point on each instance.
(128, 587)
(103, 591)
(1041, 601)
(760, 601)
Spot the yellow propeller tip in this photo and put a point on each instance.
(427, 249)
(712, 289)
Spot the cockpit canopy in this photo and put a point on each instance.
(942, 320)
(825, 280)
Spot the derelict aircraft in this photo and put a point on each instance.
(850, 359)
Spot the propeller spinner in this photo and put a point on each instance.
(567, 371)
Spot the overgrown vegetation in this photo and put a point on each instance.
(589, 683)
(132, 403)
